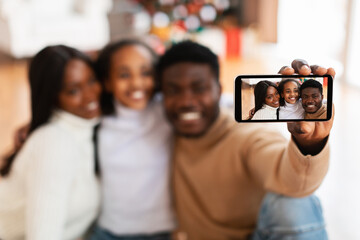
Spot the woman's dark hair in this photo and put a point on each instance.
(313, 84)
(260, 93)
(46, 73)
(281, 88)
(188, 51)
(103, 66)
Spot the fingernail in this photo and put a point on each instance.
(305, 67)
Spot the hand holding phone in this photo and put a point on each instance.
(310, 137)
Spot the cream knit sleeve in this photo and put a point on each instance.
(48, 180)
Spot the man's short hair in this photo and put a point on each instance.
(188, 51)
(313, 84)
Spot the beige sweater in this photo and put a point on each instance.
(221, 178)
(319, 114)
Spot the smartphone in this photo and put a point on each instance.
(280, 98)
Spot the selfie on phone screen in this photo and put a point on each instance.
(283, 98)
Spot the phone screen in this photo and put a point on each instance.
(279, 98)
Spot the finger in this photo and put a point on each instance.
(328, 124)
(297, 128)
(331, 121)
(286, 70)
(331, 72)
(293, 128)
(301, 67)
(318, 70)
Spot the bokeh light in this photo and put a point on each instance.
(180, 12)
(208, 13)
(192, 22)
(222, 4)
(161, 20)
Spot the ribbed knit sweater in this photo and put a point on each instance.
(292, 111)
(221, 178)
(135, 151)
(52, 192)
(321, 113)
(265, 113)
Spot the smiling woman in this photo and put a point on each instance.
(131, 77)
(80, 91)
(290, 103)
(49, 189)
(266, 100)
(134, 143)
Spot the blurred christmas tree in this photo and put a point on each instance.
(171, 19)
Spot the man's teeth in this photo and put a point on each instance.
(92, 106)
(310, 105)
(138, 94)
(190, 116)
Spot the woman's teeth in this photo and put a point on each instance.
(190, 116)
(92, 106)
(137, 94)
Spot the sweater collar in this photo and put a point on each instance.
(75, 124)
(317, 114)
(211, 137)
(269, 107)
(290, 105)
(126, 112)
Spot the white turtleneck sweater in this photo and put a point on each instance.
(135, 149)
(265, 113)
(51, 192)
(292, 111)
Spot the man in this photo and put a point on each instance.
(311, 92)
(224, 172)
